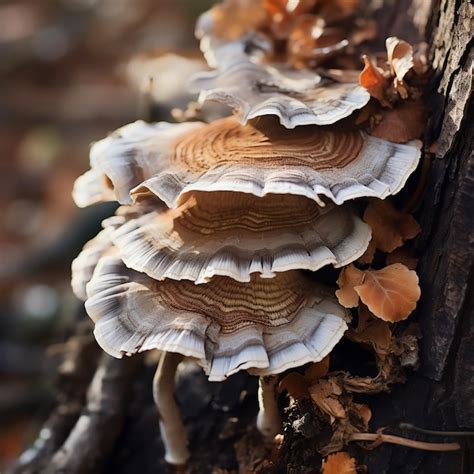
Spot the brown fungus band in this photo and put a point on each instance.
(171, 160)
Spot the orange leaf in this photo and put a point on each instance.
(372, 79)
(317, 370)
(390, 293)
(349, 277)
(295, 384)
(390, 228)
(339, 463)
(364, 411)
(233, 18)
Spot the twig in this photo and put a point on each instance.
(409, 443)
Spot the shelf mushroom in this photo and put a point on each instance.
(264, 326)
(172, 160)
(296, 96)
(237, 235)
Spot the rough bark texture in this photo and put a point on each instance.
(118, 428)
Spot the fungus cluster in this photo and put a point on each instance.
(206, 256)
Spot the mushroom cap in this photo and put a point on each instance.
(83, 266)
(265, 326)
(171, 160)
(296, 97)
(237, 235)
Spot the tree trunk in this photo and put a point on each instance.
(117, 430)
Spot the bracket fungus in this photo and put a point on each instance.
(296, 97)
(204, 259)
(171, 160)
(237, 235)
(265, 326)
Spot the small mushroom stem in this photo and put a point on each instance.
(172, 429)
(268, 418)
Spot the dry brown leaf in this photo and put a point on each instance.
(349, 277)
(390, 228)
(339, 463)
(371, 331)
(295, 384)
(325, 395)
(399, 56)
(233, 18)
(402, 255)
(317, 370)
(284, 12)
(401, 124)
(368, 256)
(365, 413)
(390, 293)
(310, 39)
(373, 79)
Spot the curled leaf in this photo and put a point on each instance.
(364, 412)
(295, 384)
(284, 12)
(399, 56)
(231, 19)
(317, 370)
(325, 394)
(311, 40)
(373, 79)
(390, 228)
(349, 278)
(371, 331)
(339, 463)
(390, 293)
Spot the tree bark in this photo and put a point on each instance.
(439, 396)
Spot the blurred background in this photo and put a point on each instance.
(70, 72)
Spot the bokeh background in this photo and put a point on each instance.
(65, 80)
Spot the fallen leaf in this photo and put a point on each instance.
(373, 79)
(310, 39)
(295, 384)
(368, 256)
(339, 463)
(233, 18)
(390, 293)
(371, 331)
(317, 370)
(284, 12)
(402, 255)
(325, 394)
(365, 412)
(390, 227)
(349, 277)
(399, 56)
